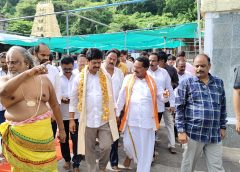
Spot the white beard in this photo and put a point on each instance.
(13, 74)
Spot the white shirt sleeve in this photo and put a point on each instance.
(74, 95)
(57, 87)
(169, 87)
(122, 96)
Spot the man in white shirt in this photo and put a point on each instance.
(92, 96)
(189, 68)
(66, 81)
(123, 59)
(139, 94)
(41, 54)
(82, 61)
(181, 70)
(117, 79)
(3, 72)
(163, 80)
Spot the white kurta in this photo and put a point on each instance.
(66, 87)
(140, 121)
(91, 113)
(53, 76)
(2, 73)
(163, 80)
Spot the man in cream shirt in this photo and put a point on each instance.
(92, 95)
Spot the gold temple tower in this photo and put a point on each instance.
(45, 26)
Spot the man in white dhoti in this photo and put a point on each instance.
(139, 94)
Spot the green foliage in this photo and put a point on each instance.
(151, 13)
(20, 26)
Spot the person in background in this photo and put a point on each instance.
(117, 79)
(122, 66)
(123, 59)
(169, 106)
(131, 59)
(41, 54)
(66, 80)
(3, 72)
(171, 61)
(181, 55)
(82, 61)
(201, 117)
(236, 98)
(144, 54)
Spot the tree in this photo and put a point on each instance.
(20, 26)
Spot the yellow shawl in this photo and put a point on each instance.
(83, 116)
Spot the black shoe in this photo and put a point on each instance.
(172, 150)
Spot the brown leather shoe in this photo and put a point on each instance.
(127, 162)
(172, 150)
(76, 170)
(67, 165)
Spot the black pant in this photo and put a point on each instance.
(54, 128)
(114, 154)
(2, 118)
(65, 146)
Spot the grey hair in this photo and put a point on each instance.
(28, 58)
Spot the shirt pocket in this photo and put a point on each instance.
(217, 96)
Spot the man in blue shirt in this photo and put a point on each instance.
(201, 116)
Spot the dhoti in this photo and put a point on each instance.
(29, 145)
(139, 146)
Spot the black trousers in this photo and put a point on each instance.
(114, 154)
(54, 128)
(2, 118)
(65, 149)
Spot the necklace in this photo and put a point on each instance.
(31, 102)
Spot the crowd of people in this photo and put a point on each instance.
(106, 96)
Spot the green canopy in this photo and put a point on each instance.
(165, 37)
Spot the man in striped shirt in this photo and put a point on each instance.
(201, 116)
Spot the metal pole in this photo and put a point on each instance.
(199, 26)
(67, 29)
(125, 40)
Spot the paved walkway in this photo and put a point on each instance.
(167, 162)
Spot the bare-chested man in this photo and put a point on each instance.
(27, 136)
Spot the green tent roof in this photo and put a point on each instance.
(165, 37)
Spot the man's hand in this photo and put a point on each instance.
(62, 136)
(171, 109)
(72, 126)
(238, 126)
(182, 138)
(223, 131)
(38, 70)
(166, 93)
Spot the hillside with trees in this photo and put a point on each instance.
(149, 14)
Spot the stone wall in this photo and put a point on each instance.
(222, 44)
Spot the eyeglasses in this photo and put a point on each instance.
(67, 69)
(12, 62)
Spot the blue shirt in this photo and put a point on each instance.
(201, 109)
